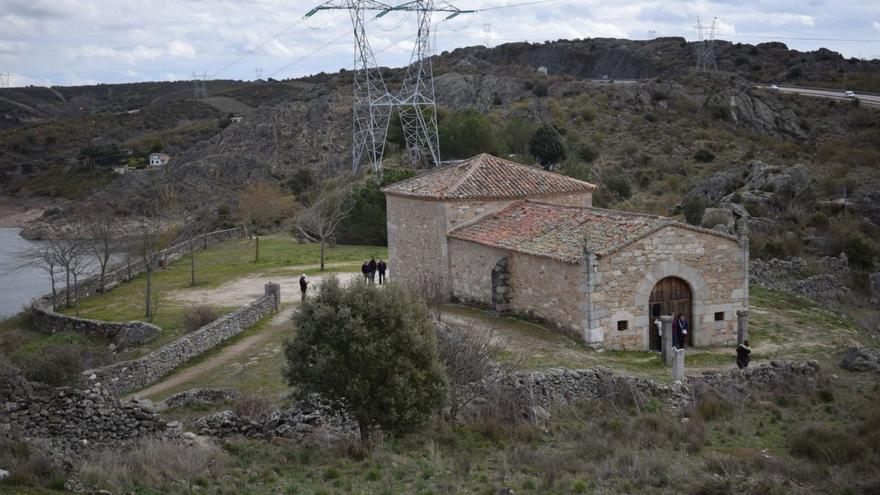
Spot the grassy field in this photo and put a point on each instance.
(280, 257)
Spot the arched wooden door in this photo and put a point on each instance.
(670, 296)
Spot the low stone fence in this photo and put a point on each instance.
(72, 419)
(793, 275)
(120, 334)
(127, 376)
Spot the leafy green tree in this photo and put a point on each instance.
(516, 134)
(466, 133)
(367, 223)
(860, 253)
(547, 147)
(369, 352)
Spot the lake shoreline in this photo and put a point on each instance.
(17, 213)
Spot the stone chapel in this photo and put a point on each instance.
(523, 241)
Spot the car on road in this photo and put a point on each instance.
(850, 94)
(774, 87)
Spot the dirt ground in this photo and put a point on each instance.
(16, 213)
(244, 290)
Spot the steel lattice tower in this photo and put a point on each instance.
(706, 60)
(5, 80)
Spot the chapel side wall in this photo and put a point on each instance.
(583, 199)
(542, 288)
(712, 266)
(417, 250)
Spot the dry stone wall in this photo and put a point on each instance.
(71, 419)
(120, 334)
(127, 376)
(794, 275)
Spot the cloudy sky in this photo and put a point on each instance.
(68, 42)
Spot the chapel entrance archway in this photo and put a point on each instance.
(670, 296)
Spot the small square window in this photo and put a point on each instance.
(622, 325)
(719, 316)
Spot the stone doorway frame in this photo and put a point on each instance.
(671, 268)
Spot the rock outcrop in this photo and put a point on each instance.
(860, 360)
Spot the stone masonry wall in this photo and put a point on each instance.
(70, 418)
(125, 333)
(417, 243)
(713, 266)
(127, 376)
(541, 288)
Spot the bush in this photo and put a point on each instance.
(693, 208)
(248, 405)
(165, 466)
(620, 186)
(711, 406)
(349, 341)
(704, 156)
(516, 134)
(61, 365)
(824, 445)
(28, 466)
(466, 133)
(860, 253)
(198, 316)
(540, 90)
(587, 152)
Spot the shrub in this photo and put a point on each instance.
(165, 466)
(61, 365)
(349, 341)
(693, 208)
(198, 316)
(540, 90)
(587, 152)
(704, 156)
(620, 186)
(711, 406)
(860, 253)
(466, 133)
(29, 466)
(824, 445)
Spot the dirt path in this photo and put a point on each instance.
(230, 294)
(244, 290)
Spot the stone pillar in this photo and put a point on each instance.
(742, 326)
(666, 339)
(501, 293)
(678, 365)
(274, 290)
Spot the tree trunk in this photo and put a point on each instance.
(192, 263)
(322, 254)
(257, 254)
(365, 434)
(76, 292)
(67, 287)
(103, 271)
(149, 294)
(205, 238)
(54, 292)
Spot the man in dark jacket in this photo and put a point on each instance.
(365, 270)
(742, 355)
(372, 269)
(303, 286)
(382, 267)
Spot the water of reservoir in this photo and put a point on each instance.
(19, 283)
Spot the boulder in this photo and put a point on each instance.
(860, 360)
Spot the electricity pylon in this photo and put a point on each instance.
(706, 60)
(372, 104)
(200, 86)
(5, 80)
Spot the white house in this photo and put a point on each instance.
(159, 159)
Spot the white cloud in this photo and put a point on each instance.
(876, 25)
(181, 49)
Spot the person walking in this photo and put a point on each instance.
(303, 286)
(372, 269)
(742, 355)
(382, 267)
(683, 329)
(676, 332)
(365, 270)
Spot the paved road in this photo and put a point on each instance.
(826, 93)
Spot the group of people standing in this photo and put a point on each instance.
(679, 329)
(370, 268)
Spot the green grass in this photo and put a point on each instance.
(217, 265)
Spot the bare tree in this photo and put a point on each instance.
(104, 231)
(320, 219)
(44, 257)
(152, 234)
(70, 253)
(260, 206)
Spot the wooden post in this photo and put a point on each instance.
(666, 339)
(678, 365)
(742, 326)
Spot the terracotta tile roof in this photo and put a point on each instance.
(487, 177)
(560, 232)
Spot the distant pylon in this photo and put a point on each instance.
(706, 60)
(200, 86)
(487, 35)
(259, 73)
(5, 80)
